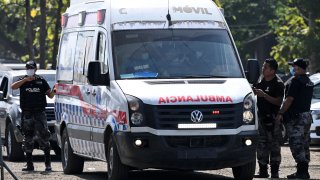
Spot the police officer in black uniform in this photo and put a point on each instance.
(33, 92)
(270, 92)
(297, 105)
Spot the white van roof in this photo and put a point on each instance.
(130, 11)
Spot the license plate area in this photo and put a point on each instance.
(197, 142)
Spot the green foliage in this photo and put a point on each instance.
(296, 24)
(291, 29)
(297, 28)
(13, 27)
(218, 3)
(248, 19)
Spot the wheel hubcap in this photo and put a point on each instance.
(65, 152)
(111, 158)
(9, 143)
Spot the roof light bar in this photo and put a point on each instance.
(64, 20)
(101, 16)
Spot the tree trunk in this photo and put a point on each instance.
(56, 35)
(43, 34)
(29, 31)
(314, 64)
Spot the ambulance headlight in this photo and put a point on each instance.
(248, 109)
(247, 117)
(135, 106)
(136, 118)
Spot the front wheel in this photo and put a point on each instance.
(116, 170)
(71, 163)
(245, 171)
(14, 148)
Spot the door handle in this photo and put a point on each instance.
(87, 91)
(94, 93)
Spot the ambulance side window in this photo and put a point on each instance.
(66, 57)
(82, 56)
(101, 52)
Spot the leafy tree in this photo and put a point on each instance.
(20, 28)
(12, 31)
(247, 20)
(297, 28)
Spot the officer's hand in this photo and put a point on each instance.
(30, 78)
(259, 93)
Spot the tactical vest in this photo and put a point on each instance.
(32, 95)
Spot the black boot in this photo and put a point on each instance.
(263, 171)
(47, 161)
(29, 166)
(274, 171)
(302, 172)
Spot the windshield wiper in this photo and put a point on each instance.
(140, 75)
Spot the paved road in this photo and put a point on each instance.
(97, 170)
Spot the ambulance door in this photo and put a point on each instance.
(99, 96)
(81, 131)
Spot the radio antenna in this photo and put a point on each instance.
(168, 15)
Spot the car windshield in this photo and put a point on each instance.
(50, 78)
(316, 89)
(179, 53)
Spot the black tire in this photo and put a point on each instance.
(245, 171)
(71, 163)
(14, 148)
(116, 170)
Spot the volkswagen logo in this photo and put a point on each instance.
(196, 116)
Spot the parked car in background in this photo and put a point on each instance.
(315, 109)
(10, 113)
(12, 64)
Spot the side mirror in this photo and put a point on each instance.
(94, 74)
(253, 71)
(1, 95)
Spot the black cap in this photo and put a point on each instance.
(299, 62)
(31, 65)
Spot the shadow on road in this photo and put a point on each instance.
(157, 175)
(39, 158)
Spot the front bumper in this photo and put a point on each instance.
(186, 152)
(52, 130)
(314, 129)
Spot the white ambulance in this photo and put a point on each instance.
(153, 84)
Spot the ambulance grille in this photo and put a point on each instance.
(169, 116)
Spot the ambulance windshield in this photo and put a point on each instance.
(178, 53)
